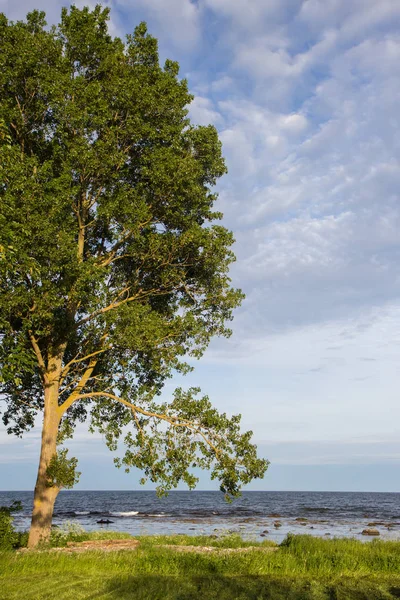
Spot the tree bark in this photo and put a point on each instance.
(45, 496)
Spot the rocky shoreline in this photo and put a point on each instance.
(273, 527)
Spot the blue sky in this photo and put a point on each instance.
(305, 96)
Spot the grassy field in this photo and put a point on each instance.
(301, 568)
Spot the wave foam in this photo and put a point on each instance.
(131, 513)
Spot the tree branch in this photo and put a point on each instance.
(39, 356)
(76, 393)
(75, 360)
(113, 251)
(141, 294)
(173, 421)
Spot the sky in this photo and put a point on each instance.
(305, 96)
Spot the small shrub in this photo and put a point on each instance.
(22, 539)
(68, 532)
(9, 538)
(289, 541)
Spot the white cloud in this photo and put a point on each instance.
(250, 14)
(175, 21)
(222, 84)
(317, 215)
(331, 381)
(293, 123)
(257, 137)
(202, 112)
(357, 18)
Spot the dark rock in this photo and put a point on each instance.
(104, 522)
(274, 515)
(375, 523)
(277, 524)
(301, 519)
(370, 531)
(327, 534)
(265, 531)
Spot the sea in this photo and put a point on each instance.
(254, 515)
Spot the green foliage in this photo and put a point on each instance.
(61, 471)
(113, 269)
(9, 538)
(167, 457)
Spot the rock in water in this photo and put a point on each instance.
(370, 531)
(104, 522)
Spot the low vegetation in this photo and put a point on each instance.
(9, 537)
(301, 568)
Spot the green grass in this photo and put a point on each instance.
(302, 568)
(225, 541)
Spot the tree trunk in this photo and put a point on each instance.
(45, 496)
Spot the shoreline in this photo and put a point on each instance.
(251, 528)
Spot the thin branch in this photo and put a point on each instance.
(94, 199)
(119, 244)
(75, 360)
(27, 404)
(111, 306)
(140, 295)
(113, 251)
(21, 401)
(137, 422)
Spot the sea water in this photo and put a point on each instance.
(255, 515)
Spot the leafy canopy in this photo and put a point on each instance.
(112, 266)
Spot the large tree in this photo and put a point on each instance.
(112, 266)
